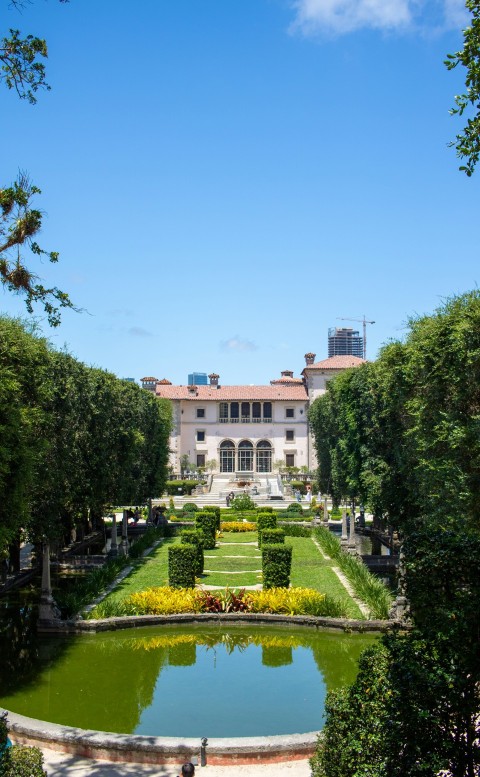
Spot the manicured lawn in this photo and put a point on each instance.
(309, 568)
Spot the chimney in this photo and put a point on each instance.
(287, 374)
(214, 379)
(193, 391)
(309, 358)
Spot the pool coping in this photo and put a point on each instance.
(159, 750)
(114, 747)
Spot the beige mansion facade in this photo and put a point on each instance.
(248, 429)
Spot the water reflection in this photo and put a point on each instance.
(247, 681)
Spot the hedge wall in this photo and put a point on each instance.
(207, 522)
(187, 486)
(276, 566)
(182, 561)
(194, 537)
(213, 509)
(265, 521)
(273, 537)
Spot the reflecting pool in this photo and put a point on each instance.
(188, 681)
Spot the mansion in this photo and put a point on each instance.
(248, 429)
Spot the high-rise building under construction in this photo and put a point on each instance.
(345, 342)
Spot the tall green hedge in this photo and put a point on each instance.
(213, 509)
(194, 537)
(182, 560)
(276, 566)
(265, 521)
(207, 522)
(273, 537)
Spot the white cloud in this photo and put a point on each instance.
(456, 15)
(341, 16)
(237, 344)
(344, 16)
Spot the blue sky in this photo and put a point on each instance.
(226, 179)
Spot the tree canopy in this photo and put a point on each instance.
(22, 69)
(467, 142)
(403, 434)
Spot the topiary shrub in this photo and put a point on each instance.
(213, 509)
(272, 537)
(195, 538)
(267, 509)
(207, 523)
(190, 507)
(295, 507)
(265, 521)
(276, 566)
(182, 560)
(180, 487)
(243, 502)
(21, 761)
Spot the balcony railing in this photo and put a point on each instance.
(246, 420)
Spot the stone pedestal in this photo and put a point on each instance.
(114, 548)
(48, 609)
(344, 537)
(124, 543)
(352, 548)
(325, 512)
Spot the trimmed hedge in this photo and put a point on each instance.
(296, 531)
(195, 538)
(213, 509)
(294, 507)
(273, 537)
(190, 507)
(207, 522)
(186, 486)
(265, 521)
(182, 561)
(276, 566)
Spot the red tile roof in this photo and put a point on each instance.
(336, 363)
(289, 392)
(286, 381)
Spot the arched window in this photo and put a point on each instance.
(245, 456)
(227, 456)
(264, 456)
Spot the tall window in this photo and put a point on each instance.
(264, 456)
(246, 412)
(290, 459)
(200, 459)
(234, 412)
(245, 456)
(227, 456)
(256, 412)
(223, 412)
(267, 411)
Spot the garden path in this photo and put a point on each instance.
(234, 573)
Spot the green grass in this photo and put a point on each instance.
(238, 537)
(309, 568)
(150, 571)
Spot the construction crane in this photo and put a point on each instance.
(364, 322)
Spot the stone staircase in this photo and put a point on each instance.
(264, 489)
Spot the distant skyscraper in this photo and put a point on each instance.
(197, 379)
(345, 342)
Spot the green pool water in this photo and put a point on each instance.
(186, 681)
